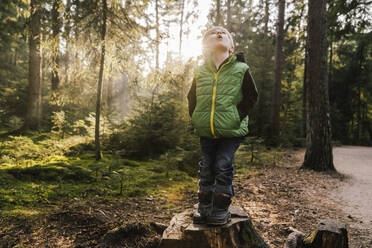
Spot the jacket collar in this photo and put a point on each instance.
(211, 66)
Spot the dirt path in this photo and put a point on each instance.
(284, 196)
(356, 193)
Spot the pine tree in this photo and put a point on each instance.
(318, 134)
(275, 103)
(33, 117)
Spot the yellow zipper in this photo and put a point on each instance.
(214, 95)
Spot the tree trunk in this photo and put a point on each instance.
(239, 232)
(67, 37)
(329, 234)
(359, 83)
(218, 20)
(99, 90)
(228, 15)
(305, 89)
(56, 26)
(14, 60)
(266, 17)
(157, 42)
(109, 98)
(330, 62)
(181, 27)
(368, 124)
(76, 26)
(33, 117)
(318, 134)
(275, 107)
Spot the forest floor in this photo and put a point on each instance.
(276, 195)
(284, 196)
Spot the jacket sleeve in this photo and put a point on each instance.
(191, 97)
(250, 95)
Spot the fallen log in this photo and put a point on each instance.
(238, 233)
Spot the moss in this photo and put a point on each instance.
(50, 172)
(45, 182)
(39, 181)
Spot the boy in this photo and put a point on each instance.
(220, 98)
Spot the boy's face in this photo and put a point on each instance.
(218, 40)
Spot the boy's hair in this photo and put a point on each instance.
(204, 48)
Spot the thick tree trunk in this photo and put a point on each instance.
(56, 26)
(330, 71)
(318, 134)
(275, 107)
(33, 117)
(99, 89)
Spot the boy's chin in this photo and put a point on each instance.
(219, 48)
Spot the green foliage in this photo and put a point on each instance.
(153, 131)
(34, 173)
(20, 148)
(14, 123)
(350, 90)
(13, 61)
(159, 123)
(59, 123)
(254, 143)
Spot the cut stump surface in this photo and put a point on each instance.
(238, 233)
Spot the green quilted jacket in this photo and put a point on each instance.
(218, 94)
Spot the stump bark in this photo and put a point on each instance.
(238, 233)
(329, 234)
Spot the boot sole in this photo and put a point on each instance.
(199, 222)
(216, 223)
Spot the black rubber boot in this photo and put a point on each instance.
(204, 208)
(220, 213)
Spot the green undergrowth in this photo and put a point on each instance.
(262, 156)
(36, 174)
(34, 178)
(75, 178)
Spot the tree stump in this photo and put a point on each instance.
(238, 233)
(329, 234)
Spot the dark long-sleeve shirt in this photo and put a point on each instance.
(249, 90)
